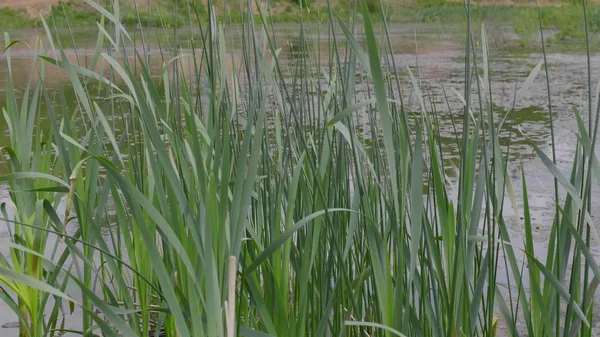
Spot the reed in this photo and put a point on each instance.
(262, 196)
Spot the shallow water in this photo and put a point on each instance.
(436, 55)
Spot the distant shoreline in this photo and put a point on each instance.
(522, 16)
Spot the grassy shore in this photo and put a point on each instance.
(566, 19)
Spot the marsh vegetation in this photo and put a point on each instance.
(175, 182)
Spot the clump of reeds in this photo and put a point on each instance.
(241, 156)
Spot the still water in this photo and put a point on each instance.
(436, 56)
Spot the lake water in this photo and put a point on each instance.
(436, 54)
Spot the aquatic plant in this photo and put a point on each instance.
(230, 195)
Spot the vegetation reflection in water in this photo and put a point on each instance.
(248, 196)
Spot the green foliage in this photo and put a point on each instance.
(526, 26)
(303, 3)
(77, 13)
(213, 199)
(432, 3)
(569, 22)
(567, 19)
(10, 18)
(373, 6)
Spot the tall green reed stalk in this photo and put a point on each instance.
(227, 195)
